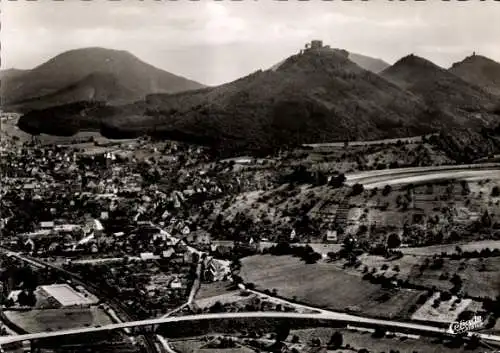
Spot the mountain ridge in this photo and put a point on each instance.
(369, 63)
(72, 66)
(313, 96)
(479, 70)
(318, 95)
(458, 101)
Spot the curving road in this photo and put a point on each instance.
(400, 176)
(320, 315)
(337, 317)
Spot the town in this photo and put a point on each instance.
(250, 177)
(98, 232)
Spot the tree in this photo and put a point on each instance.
(465, 187)
(393, 241)
(387, 190)
(337, 181)
(217, 307)
(31, 299)
(445, 296)
(282, 332)
(316, 342)
(236, 264)
(486, 219)
(379, 332)
(357, 189)
(23, 298)
(495, 192)
(336, 340)
(332, 255)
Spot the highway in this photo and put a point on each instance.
(400, 176)
(321, 315)
(318, 315)
(337, 317)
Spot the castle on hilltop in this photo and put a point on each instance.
(314, 45)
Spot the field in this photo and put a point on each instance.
(353, 341)
(226, 298)
(451, 248)
(58, 319)
(326, 286)
(480, 276)
(214, 289)
(443, 313)
(358, 340)
(195, 345)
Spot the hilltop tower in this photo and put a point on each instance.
(314, 45)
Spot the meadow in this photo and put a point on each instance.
(325, 285)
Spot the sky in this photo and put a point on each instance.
(214, 41)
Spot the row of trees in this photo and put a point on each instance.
(306, 253)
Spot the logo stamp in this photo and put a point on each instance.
(476, 323)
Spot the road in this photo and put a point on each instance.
(393, 141)
(326, 316)
(196, 285)
(321, 315)
(400, 176)
(318, 315)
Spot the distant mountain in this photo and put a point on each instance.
(480, 71)
(10, 73)
(368, 63)
(78, 72)
(454, 100)
(102, 87)
(316, 96)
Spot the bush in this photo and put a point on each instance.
(445, 296)
(387, 190)
(357, 189)
(336, 340)
(393, 241)
(337, 181)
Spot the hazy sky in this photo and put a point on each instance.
(217, 41)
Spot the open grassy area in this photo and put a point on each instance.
(445, 312)
(353, 341)
(480, 276)
(214, 289)
(451, 248)
(325, 285)
(226, 298)
(358, 340)
(196, 345)
(58, 319)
